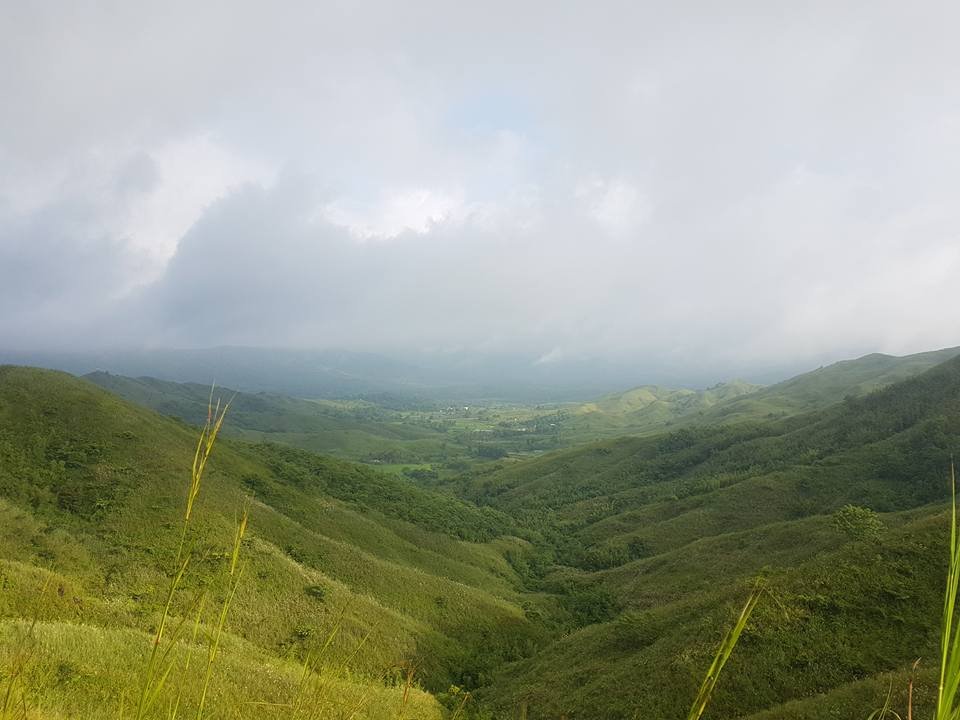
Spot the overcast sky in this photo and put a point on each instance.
(740, 183)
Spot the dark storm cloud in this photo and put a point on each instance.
(57, 269)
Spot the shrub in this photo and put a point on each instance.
(491, 452)
(317, 592)
(858, 523)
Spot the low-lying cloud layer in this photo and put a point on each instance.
(745, 185)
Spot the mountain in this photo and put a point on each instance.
(669, 532)
(592, 583)
(464, 377)
(354, 429)
(359, 429)
(421, 438)
(452, 377)
(649, 408)
(91, 488)
(319, 373)
(827, 385)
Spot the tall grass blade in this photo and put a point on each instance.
(160, 663)
(407, 685)
(311, 669)
(913, 672)
(885, 712)
(949, 633)
(215, 644)
(723, 654)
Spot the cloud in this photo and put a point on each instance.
(555, 355)
(414, 210)
(693, 185)
(58, 273)
(617, 206)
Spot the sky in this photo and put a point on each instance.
(737, 185)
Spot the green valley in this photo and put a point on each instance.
(430, 439)
(589, 582)
(392, 432)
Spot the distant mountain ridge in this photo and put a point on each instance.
(651, 409)
(358, 429)
(641, 398)
(321, 373)
(350, 429)
(827, 385)
(343, 374)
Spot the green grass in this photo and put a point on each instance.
(668, 529)
(593, 583)
(82, 671)
(91, 487)
(948, 687)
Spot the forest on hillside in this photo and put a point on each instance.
(594, 581)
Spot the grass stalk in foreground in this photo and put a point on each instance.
(913, 672)
(175, 709)
(723, 654)
(885, 712)
(947, 708)
(308, 700)
(235, 575)
(409, 672)
(160, 663)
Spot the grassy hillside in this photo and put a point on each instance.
(90, 491)
(356, 430)
(589, 583)
(667, 533)
(394, 433)
(825, 386)
(649, 410)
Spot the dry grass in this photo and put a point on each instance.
(163, 660)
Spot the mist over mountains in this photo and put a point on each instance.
(342, 373)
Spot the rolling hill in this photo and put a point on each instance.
(354, 429)
(651, 409)
(827, 385)
(588, 583)
(670, 530)
(391, 432)
(90, 490)
(430, 438)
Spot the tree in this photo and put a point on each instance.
(858, 523)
